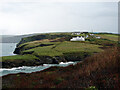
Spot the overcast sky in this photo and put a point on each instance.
(39, 17)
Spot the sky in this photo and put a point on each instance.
(17, 18)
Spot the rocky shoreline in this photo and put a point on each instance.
(36, 62)
(46, 60)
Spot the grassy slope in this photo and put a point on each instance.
(65, 47)
(17, 58)
(98, 70)
(44, 36)
(59, 48)
(109, 36)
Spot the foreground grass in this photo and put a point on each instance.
(97, 71)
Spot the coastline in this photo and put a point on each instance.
(30, 69)
(55, 48)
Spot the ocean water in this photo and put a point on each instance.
(7, 50)
(30, 69)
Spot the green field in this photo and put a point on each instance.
(59, 46)
(64, 47)
(109, 36)
(57, 49)
(17, 58)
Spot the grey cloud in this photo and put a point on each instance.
(20, 18)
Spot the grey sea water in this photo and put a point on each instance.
(7, 49)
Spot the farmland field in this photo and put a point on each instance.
(109, 36)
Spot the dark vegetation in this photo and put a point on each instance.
(43, 36)
(98, 71)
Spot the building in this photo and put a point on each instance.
(86, 36)
(91, 34)
(98, 37)
(76, 33)
(77, 39)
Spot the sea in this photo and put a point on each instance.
(7, 49)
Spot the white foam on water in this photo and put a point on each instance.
(66, 62)
(30, 69)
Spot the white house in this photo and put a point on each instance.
(76, 33)
(86, 36)
(98, 37)
(91, 34)
(77, 39)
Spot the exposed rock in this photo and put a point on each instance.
(36, 62)
(46, 60)
(30, 52)
(18, 49)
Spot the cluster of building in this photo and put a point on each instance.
(82, 38)
(78, 33)
(95, 36)
(78, 38)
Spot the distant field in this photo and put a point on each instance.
(56, 49)
(109, 36)
(64, 47)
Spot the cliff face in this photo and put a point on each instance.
(34, 62)
(29, 59)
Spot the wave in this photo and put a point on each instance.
(30, 69)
